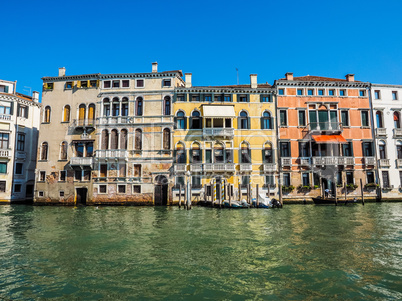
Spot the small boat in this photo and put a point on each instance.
(263, 201)
(236, 204)
(332, 201)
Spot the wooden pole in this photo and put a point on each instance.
(346, 191)
(269, 190)
(257, 201)
(185, 196)
(336, 191)
(179, 196)
(205, 193)
(190, 192)
(239, 193)
(361, 189)
(280, 194)
(248, 193)
(230, 195)
(322, 187)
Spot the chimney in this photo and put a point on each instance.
(35, 96)
(253, 81)
(188, 79)
(62, 71)
(350, 77)
(155, 67)
(289, 76)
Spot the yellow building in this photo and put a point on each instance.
(224, 134)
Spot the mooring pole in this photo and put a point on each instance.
(189, 195)
(179, 196)
(257, 201)
(280, 195)
(346, 192)
(361, 189)
(185, 196)
(239, 196)
(230, 195)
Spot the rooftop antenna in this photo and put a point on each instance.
(27, 89)
(237, 72)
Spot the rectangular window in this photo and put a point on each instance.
(93, 83)
(265, 98)
(348, 149)
(394, 95)
(121, 188)
(227, 98)
(196, 181)
(377, 94)
(281, 91)
(345, 118)
(84, 84)
(166, 83)
(49, 86)
(180, 97)
(362, 93)
(302, 117)
(137, 170)
(125, 83)
(286, 179)
(299, 92)
(368, 150)
(5, 110)
(242, 98)
(4, 140)
(102, 188)
(17, 187)
(41, 193)
(310, 92)
(218, 98)
(321, 92)
(103, 170)
(400, 178)
(331, 92)
(61, 193)
(87, 175)
(370, 177)
(304, 149)
(63, 174)
(399, 151)
(385, 179)
(22, 111)
(179, 181)
(2, 186)
(305, 179)
(282, 118)
(349, 177)
(42, 176)
(342, 92)
(136, 188)
(195, 98)
(78, 175)
(106, 84)
(3, 167)
(270, 180)
(69, 85)
(139, 83)
(339, 178)
(245, 180)
(365, 118)
(285, 149)
(208, 98)
(18, 168)
(122, 170)
(116, 84)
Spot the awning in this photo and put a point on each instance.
(329, 139)
(218, 111)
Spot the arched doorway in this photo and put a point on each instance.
(161, 191)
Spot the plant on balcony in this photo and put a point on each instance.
(371, 185)
(316, 186)
(288, 189)
(339, 185)
(351, 186)
(305, 187)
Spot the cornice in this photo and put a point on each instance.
(225, 90)
(339, 84)
(20, 100)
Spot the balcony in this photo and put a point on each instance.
(304, 161)
(116, 153)
(269, 167)
(218, 132)
(329, 127)
(384, 163)
(180, 167)
(346, 160)
(399, 163)
(245, 167)
(397, 133)
(5, 154)
(196, 167)
(333, 161)
(81, 161)
(369, 160)
(381, 132)
(113, 120)
(21, 155)
(5, 117)
(83, 123)
(286, 161)
(219, 167)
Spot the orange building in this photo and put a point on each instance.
(325, 137)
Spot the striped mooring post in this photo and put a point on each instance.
(222, 193)
(214, 181)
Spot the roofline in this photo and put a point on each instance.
(334, 83)
(386, 85)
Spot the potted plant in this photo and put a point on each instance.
(287, 189)
(351, 186)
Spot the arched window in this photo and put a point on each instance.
(115, 107)
(114, 139)
(66, 113)
(378, 117)
(63, 150)
(180, 121)
(47, 114)
(124, 106)
(267, 154)
(167, 105)
(91, 112)
(105, 139)
(266, 121)
(245, 155)
(123, 139)
(397, 123)
(243, 121)
(180, 154)
(166, 139)
(382, 149)
(196, 120)
(219, 153)
(81, 112)
(139, 106)
(138, 139)
(106, 107)
(195, 156)
(44, 151)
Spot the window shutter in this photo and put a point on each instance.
(351, 148)
(262, 123)
(79, 84)
(6, 89)
(191, 155)
(12, 108)
(190, 121)
(185, 123)
(44, 86)
(248, 123)
(97, 83)
(26, 112)
(18, 110)
(175, 123)
(239, 123)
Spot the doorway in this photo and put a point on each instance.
(81, 196)
(161, 191)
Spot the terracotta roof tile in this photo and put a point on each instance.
(317, 79)
(23, 96)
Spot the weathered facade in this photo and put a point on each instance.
(224, 135)
(325, 137)
(19, 125)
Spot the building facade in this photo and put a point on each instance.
(224, 135)
(387, 110)
(325, 137)
(19, 126)
(111, 138)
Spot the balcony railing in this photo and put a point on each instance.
(384, 163)
(325, 126)
(333, 160)
(269, 167)
(219, 167)
(84, 123)
(180, 167)
(346, 160)
(246, 167)
(113, 120)
(21, 155)
(397, 133)
(286, 161)
(5, 117)
(4, 153)
(304, 161)
(369, 160)
(81, 161)
(218, 132)
(116, 153)
(196, 167)
(399, 163)
(381, 132)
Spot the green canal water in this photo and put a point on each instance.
(146, 253)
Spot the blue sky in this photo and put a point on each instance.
(208, 38)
